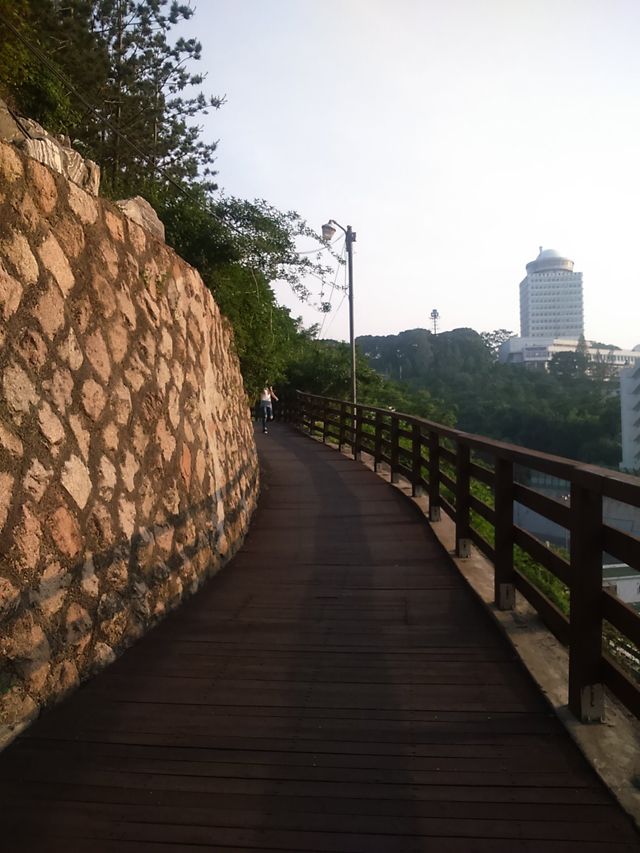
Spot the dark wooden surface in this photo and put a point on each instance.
(336, 688)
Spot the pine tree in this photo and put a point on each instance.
(146, 94)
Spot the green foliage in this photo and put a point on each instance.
(29, 87)
(239, 248)
(122, 54)
(493, 340)
(149, 95)
(568, 366)
(569, 411)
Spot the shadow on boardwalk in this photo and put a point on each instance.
(336, 688)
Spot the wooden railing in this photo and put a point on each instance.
(472, 480)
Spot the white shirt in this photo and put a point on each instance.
(266, 396)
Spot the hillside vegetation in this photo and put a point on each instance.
(128, 62)
(572, 410)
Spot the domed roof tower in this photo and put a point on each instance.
(549, 259)
(551, 298)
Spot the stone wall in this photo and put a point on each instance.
(128, 470)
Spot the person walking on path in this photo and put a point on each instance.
(265, 402)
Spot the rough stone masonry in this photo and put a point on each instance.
(128, 470)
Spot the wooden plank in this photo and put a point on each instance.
(336, 687)
(96, 817)
(587, 813)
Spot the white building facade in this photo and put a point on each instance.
(630, 411)
(538, 352)
(551, 304)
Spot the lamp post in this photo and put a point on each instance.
(327, 233)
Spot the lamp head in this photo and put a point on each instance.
(328, 231)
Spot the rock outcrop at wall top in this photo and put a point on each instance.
(128, 470)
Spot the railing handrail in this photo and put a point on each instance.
(400, 439)
(626, 484)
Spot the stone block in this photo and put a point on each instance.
(42, 183)
(100, 528)
(26, 644)
(96, 351)
(32, 348)
(49, 311)
(7, 482)
(90, 583)
(64, 678)
(60, 388)
(121, 403)
(115, 225)
(50, 594)
(37, 480)
(10, 294)
(50, 425)
(128, 470)
(137, 237)
(10, 442)
(110, 437)
(82, 435)
(94, 399)
(166, 440)
(108, 478)
(19, 390)
(70, 351)
(70, 235)
(66, 532)
(140, 211)
(77, 480)
(125, 303)
(11, 168)
(136, 373)
(55, 261)
(104, 293)
(83, 205)
(18, 252)
(110, 258)
(117, 576)
(9, 598)
(79, 626)
(127, 516)
(103, 655)
(118, 337)
(59, 157)
(185, 465)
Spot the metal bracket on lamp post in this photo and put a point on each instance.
(327, 233)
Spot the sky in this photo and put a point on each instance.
(456, 137)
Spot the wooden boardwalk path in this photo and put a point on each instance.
(336, 688)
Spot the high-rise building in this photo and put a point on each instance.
(551, 298)
(630, 410)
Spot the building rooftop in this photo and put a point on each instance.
(549, 260)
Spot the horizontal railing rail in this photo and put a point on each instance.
(473, 480)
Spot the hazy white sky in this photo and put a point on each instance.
(455, 136)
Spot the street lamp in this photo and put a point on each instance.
(327, 234)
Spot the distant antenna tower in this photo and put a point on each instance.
(435, 317)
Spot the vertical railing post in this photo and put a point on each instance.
(416, 460)
(325, 425)
(586, 692)
(463, 483)
(377, 442)
(343, 423)
(312, 415)
(395, 447)
(435, 509)
(505, 590)
(357, 433)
